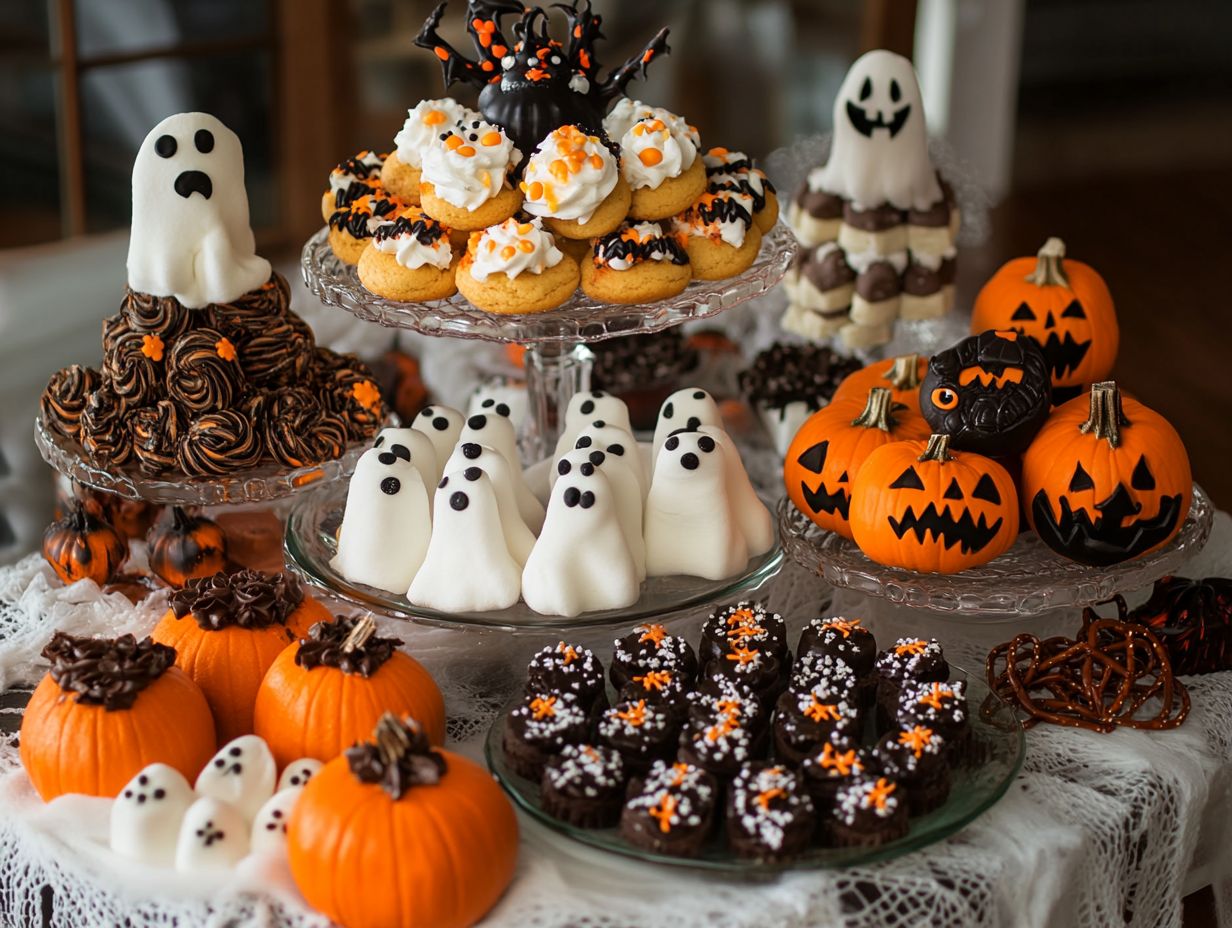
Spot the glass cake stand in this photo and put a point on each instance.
(1029, 579)
(981, 777)
(311, 542)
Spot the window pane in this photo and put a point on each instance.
(120, 26)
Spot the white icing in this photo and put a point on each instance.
(514, 248)
(299, 772)
(497, 432)
(426, 123)
(242, 773)
(752, 516)
(146, 815)
(869, 170)
(931, 260)
(340, 180)
(732, 231)
(196, 248)
(861, 261)
(569, 175)
(585, 407)
(641, 232)
(579, 83)
(502, 397)
(410, 252)
(655, 149)
(467, 172)
(213, 836)
(626, 491)
(626, 112)
(442, 425)
(723, 158)
(687, 408)
(618, 442)
(755, 180)
(519, 539)
(269, 826)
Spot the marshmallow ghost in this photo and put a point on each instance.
(146, 816)
(626, 491)
(213, 836)
(616, 442)
(496, 432)
(502, 398)
(880, 148)
(386, 524)
(190, 237)
(690, 408)
(754, 519)
(583, 409)
(518, 538)
(581, 561)
(269, 826)
(420, 448)
(442, 425)
(468, 567)
(298, 773)
(242, 774)
(689, 524)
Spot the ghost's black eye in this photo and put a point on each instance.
(896, 92)
(165, 146)
(866, 89)
(204, 140)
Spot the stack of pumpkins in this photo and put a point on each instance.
(929, 464)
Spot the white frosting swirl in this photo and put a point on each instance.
(731, 230)
(654, 150)
(341, 180)
(425, 125)
(411, 253)
(569, 175)
(471, 164)
(513, 248)
(626, 112)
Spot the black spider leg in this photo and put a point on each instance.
(490, 11)
(454, 65)
(525, 30)
(584, 32)
(614, 85)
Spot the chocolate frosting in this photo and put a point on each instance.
(218, 443)
(299, 430)
(948, 271)
(277, 354)
(826, 268)
(245, 599)
(255, 309)
(424, 229)
(879, 281)
(616, 245)
(631, 362)
(203, 371)
(737, 180)
(326, 646)
(113, 328)
(399, 758)
(64, 399)
(919, 280)
(877, 219)
(354, 219)
(107, 672)
(156, 315)
(819, 204)
(788, 373)
(133, 366)
(350, 392)
(104, 434)
(156, 436)
(711, 208)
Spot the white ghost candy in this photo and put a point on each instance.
(468, 567)
(420, 448)
(625, 489)
(442, 425)
(618, 442)
(690, 408)
(190, 235)
(242, 774)
(503, 399)
(880, 148)
(581, 561)
(754, 519)
(146, 815)
(269, 827)
(496, 432)
(583, 409)
(299, 772)
(213, 836)
(690, 526)
(518, 538)
(386, 524)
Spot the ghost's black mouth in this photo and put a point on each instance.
(1109, 538)
(973, 535)
(865, 126)
(190, 182)
(822, 500)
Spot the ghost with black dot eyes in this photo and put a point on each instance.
(442, 425)
(688, 408)
(191, 237)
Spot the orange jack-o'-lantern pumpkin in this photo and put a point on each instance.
(901, 374)
(1106, 479)
(82, 546)
(919, 506)
(1064, 305)
(186, 547)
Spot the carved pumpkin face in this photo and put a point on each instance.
(831, 447)
(1061, 303)
(81, 546)
(1107, 479)
(917, 506)
(186, 547)
(989, 393)
(902, 375)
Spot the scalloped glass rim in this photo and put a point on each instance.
(980, 780)
(1027, 580)
(580, 319)
(264, 483)
(309, 545)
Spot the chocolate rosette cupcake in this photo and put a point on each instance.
(156, 437)
(134, 367)
(164, 316)
(256, 310)
(64, 399)
(278, 355)
(299, 431)
(203, 371)
(113, 328)
(218, 443)
(104, 435)
(350, 391)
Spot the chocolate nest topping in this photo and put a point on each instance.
(785, 373)
(347, 644)
(246, 599)
(107, 672)
(398, 758)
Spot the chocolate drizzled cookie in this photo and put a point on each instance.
(107, 672)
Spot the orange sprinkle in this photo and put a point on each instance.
(560, 170)
(844, 626)
(537, 74)
(534, 191)
(766, 796)
(662, 811)
(877, 796)
(718, 152)
(655, 680)
(433, 117)
(487, 66)
(584, 58)
(499, 51)
(933, 697)
(635, 715)
(918, 738)
(919, 646)
(490, 138)
(743, 655)
(367, 395)
(466, 151)
(577, 32)
(650, 156)
(454, 141)
(596, 162)
(491, 245)
(441, 53)
(843, 762)
(525, 228)
(652, 633)
(543, 708)
(679, 769)
(526, 245)
(740, 617)
(649, 54)
(152, 347)
(725, 727)
(567, 650)
(817, 711)
(508, 252)
(225, 349)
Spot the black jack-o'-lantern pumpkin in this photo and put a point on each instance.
(1193, 619)
(82, 546)
(185, 547)
(989, 393)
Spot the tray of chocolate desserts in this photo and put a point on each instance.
(739, 754)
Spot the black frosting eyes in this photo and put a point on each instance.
(390, 486)
(440, 423)
(908, 480)
(896, 92)
(694, 423)
(617, 449)
(165, 146)
(387, 458)
(1023, 313)
(1142, 479)
(598, 457)
(459, 501)
(672, 443)
(563, 468)
(584, 442)
(690, 461)
(502, 410)
(444, 483)
(587, 408)
(476, 422)
(866, 89)
(204, 140)
(471, 450)
(986, 489)
(588, 470)
(472, 473)
(1073, 311)
(572, 496)
(699, 394)
(1081, 480)
(488, 403)
(600, 424)
(669, 411)
(706, 443)
(380, 440)
(587, 500)
(401, 451)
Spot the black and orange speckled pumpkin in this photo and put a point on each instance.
(1193, 619)
(81, 546)
(184, 547)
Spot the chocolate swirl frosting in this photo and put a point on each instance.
(113, 328)
(203, 371)
(103, 434)
(156, 436)
(156, 315)
(278, 354)
(218, 443)
(64, 399)
(350, 392)
(107, 672)
(245, 599)
(398, 758)
(133, 365)
(346, 644)
(255, 309)
(786, 373)
(300, 431)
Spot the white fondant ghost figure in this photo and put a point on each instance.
(690, 408)
(442, 425)
(242, 774)
(690, 526)
(299, 772)
(625, 490)
(421, 449)
(583, 409)
(190, 236)
(754, 519)
(618, 442)
(518, 538)
(269, 827)
(880, 148)
(502, 398)
(581, 562)
(213, 836)
(468, 567)
(146, 815)
(496, 432)
(387, 523)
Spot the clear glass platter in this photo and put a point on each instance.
(980, 779)
(1028, 579)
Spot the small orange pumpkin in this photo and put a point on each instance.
(917, 505)
(1106, 479)
(108, 708)
(81, 546)
(1061, 303)
(227, 630)
(396, 833)
(901, 374)
(186, 547)
(325, 693)
(831, 447)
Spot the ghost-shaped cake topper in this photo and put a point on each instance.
(879, 152)
(191, 238)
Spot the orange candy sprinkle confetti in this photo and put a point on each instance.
(844, 626)
(434, 117)
(367, 395)
(743, 655)
(650, 156)
(936, 693)
(844, 762)
(652, 633)
(918, 738)
(919, 646)
(766, 796)
(818, 711)
(635, 715)
(879, 794)
(225, 349)
(655, 680)
(542, 708)
(662, 812)
(152, 347)
(490, 138)
(567, 650)
(441, 53)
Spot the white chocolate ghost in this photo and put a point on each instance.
(502, 398)
(616, 442)
(213, 836)
(242, 774)
(496, 432)
(754, 519)
(690, 408)
(146, 816)
(583, 409)
(269, 826)
(420, 448)
(625, 489)
(442, 425)
(519, 539)
(299, 772)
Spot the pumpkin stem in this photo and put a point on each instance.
(1107, 416)
(392, 741)
(180, 520)
(1048, 270)
(364, 629)
(876, 413)
(905, 374)
(938, 449)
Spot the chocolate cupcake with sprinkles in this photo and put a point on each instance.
(584, 785)
(642, 733)
(647, 648)
(671, 810)
(908, 661)
(568, 668)
(539, 728)
(866, 813)
(769, 813)
(805, 720)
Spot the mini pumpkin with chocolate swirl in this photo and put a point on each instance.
(64, 399)
(203, 371)
(217, 444)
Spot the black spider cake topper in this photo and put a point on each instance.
(536, 84)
